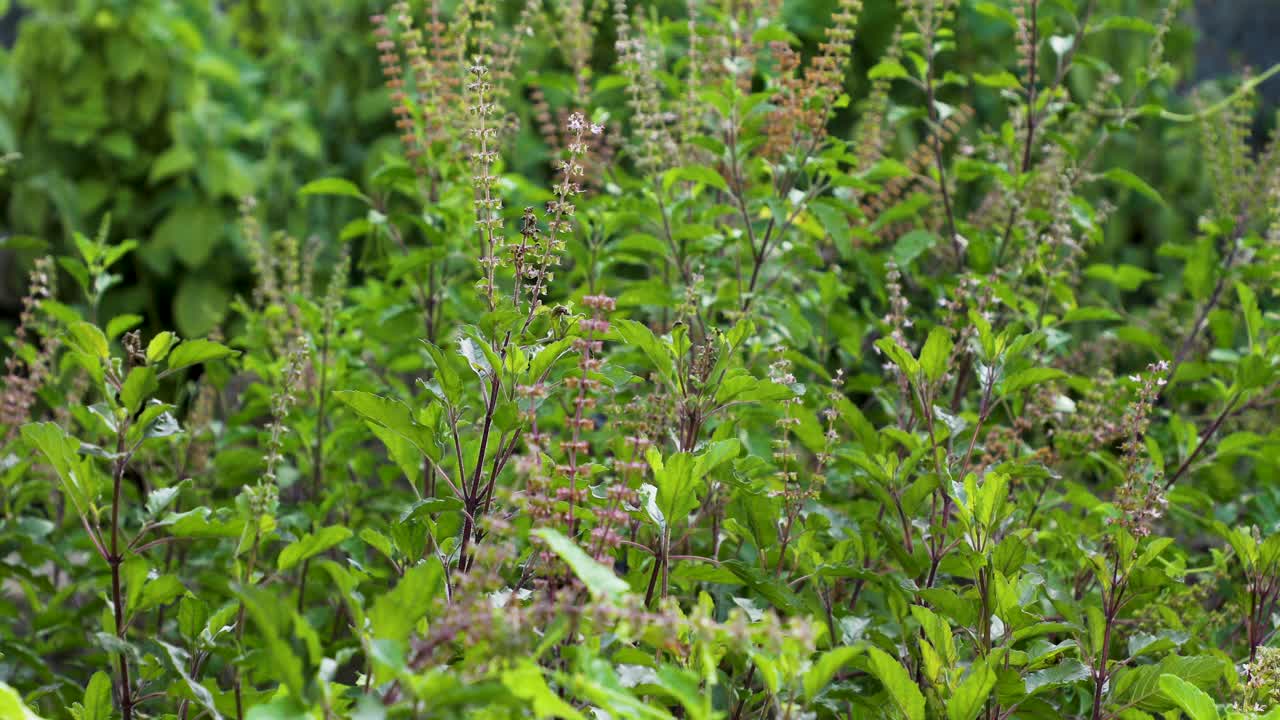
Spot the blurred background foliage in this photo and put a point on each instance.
(164, 114)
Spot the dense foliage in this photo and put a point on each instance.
(786, 389)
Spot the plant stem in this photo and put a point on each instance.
(115, 560)
(317, 452)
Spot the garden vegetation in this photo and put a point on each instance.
(787, 380)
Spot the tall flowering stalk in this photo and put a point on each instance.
(589, 347)
(1141, 502)
(27, 367)
(488, 206)
(560, 210)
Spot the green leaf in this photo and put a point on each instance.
(935, 353)
(1125, 277)
(1140, 686)
(13, 708)
(97, 698)
(121, 324)
(527, 683)
(193, 352)
(758, 513)
(913, 245)
(600, 580)
(1064, 673)
(637, 335)
(834, 221)
(277, 624)
(1003, 80)
(160, 591)
(88, 339)
(971, 695)
(332, 186)
(680, 478)
(395, 613)
(888, 70)
(447, 377)
(62, 452)
(1192, 700)
(1123, 22)
(649, 494)
(191, 231)
(138, 387)
(1091, 314)
(159, 347)
(1124, 178)
(1029, 378)
(821, 672)
(174, 161)
(770, 588)
(392, 415)
(694, 173)
(178, 660)
(899, 355)
(1252, 314)
(200, 305)
(310, 545)
(897, 683)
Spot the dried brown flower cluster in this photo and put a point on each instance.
(30, 362)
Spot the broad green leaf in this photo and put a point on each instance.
(600, 580)
(138, 387)
(888, 70)
(825, 668)
(160, 591)
(913, 245)
(681, 478)
(310, 545)
(1003, 80)
(902, 690)
(395, 613)
(178, 661)
(121, 324)
(1127, 179)
(694, 173)
(159, 347)
(971, 694)
(1140, 686)
(88, 339)
(899, 355)
(332, 186)
(450, 384)
(1030, 378)
(62, 452)
(1125, 277)
(1191, 699)
(526, 682)
(177, 160)
(12, 706)
(193, 352)
(935, 353)
(769, 587)
(938, 632)
(200, 305)
(276, 625)
(1064, 673)
(96, 704)
(191, 231)
(649, 497)
(637, 335)
(392, 415)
